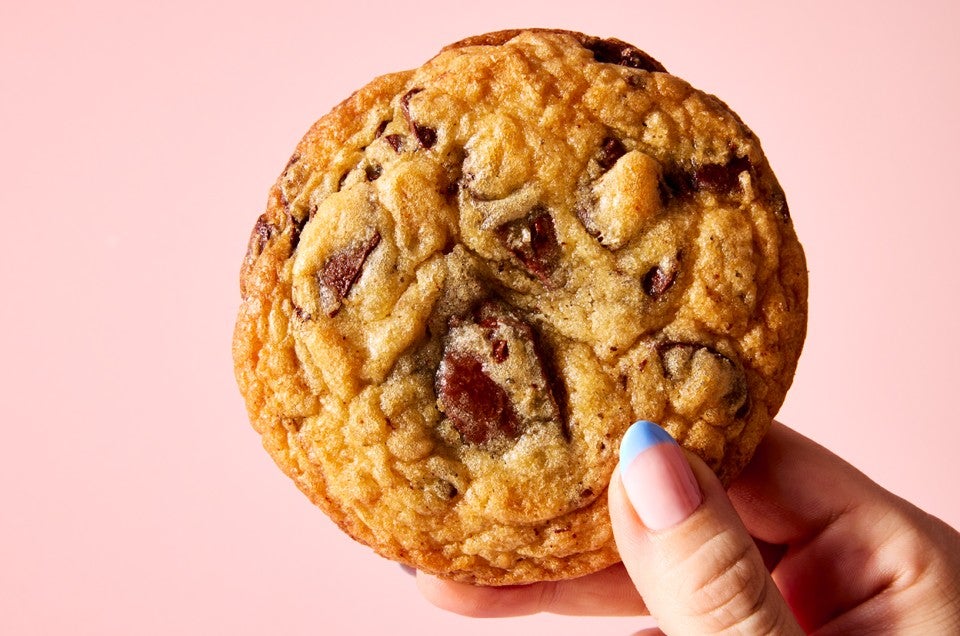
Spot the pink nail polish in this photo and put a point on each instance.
(657, 477)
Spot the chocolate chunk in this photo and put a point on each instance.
(583, 212)
(262, 232)
(721, 179)
(660, 278)
(341, 271)
(373, 171)
(405, 101)
(675, 184)
(302, 314)
(556, 386)
(382, 127)
(679, 360)
(610, 150)
(613, 51)
(296, 226)
(498, 359)
(395, 141)
(744, 409)
(425, 135)
(778, 201)
(477, 406)
(452, 491)
(500, 351)
(533, 240)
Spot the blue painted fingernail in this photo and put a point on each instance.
(638, 438)
(656, 477)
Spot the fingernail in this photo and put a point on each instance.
(409, 570)
(657, 477)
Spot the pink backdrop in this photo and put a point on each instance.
(137, 144)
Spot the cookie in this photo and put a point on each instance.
(472, 277)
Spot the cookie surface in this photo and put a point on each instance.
(472, 277)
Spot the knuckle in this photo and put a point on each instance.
(729, 587)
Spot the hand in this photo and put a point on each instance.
(831, 551)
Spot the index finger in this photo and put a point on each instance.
(609, 592)
(793, 488)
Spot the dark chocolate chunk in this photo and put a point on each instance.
(659, 279)
(533, 240)
(477, 406)
(341, 270)
(500, 351)
(721, 179)
(487, 410)
(296, 226)
(262, 232)
(395, 141)
(675, 184)
(610, 150)
(425, 135)
(678, 360)
(373, 171)
(302, 314)
(778, 200)
(613, 51)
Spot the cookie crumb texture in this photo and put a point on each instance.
(472, 277)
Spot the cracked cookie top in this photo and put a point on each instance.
(472, 277)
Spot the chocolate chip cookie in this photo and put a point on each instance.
(472, 277)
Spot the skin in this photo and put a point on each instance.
(801, 543)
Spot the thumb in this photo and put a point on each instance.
(691, 559)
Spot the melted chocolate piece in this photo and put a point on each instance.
(721, 179)
(296, 226)
(395, 141)
(610, 150)
(477, 406)
(425, 135)
(500, 351)
(476, 385)
(373, 171)
(679, 367)
(674, 184)
(533, 240)
(341, 271)
(262, 232)
(615, 51)
(658, 280)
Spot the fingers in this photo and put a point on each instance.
(853, 545)
(793, 488)
(684, 546)
(609, 592)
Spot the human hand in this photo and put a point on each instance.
(831, 551)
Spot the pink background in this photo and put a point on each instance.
(137, 145)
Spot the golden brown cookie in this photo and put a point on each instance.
(472, 277)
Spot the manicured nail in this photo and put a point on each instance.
(657, 477)
(409, 570)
